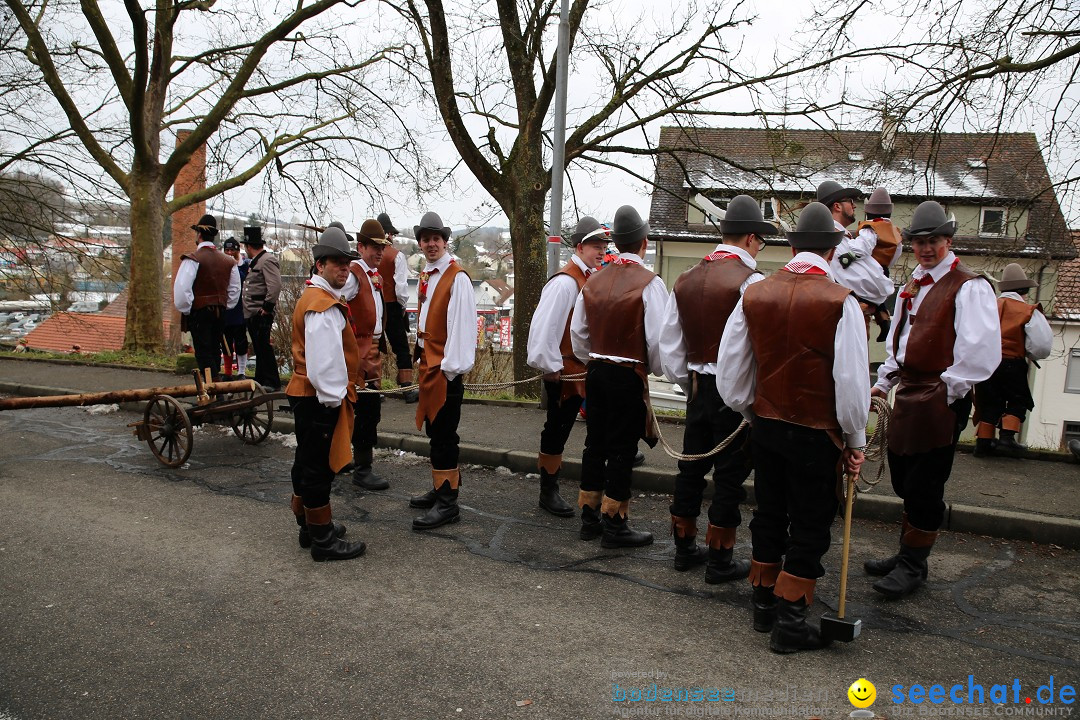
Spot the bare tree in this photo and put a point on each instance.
(273, 89)
(491, 65)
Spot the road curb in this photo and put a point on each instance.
(1005, 524)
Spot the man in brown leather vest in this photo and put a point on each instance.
(394, 272)
(1005, 399)
(616, 329)
(321, 391)
(933, 363)
(551, 353)
(364, 291)
(701, 301)
(793, 360)
(446, 348)
(206, 284)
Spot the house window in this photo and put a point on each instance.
(1071, 432)
(992, 221)
(768, 208)
(1072, 377)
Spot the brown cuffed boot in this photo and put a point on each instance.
(884, 566)
(445, 510)
(325, 545)
(614, 516)
(590, 501)
(550, 500)
(297, 505)
(911, 568)
(763, 600)
(687, 552)
(791, 632)
(721, 567)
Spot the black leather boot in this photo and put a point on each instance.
(883, 566)
(445, 510)
(305, 534)
(909, 574)
(722, 568)
(763, 578)
(791, 632)
(363, 477)
(763, 602)
(1007, 445)
(325, 543)
(423, 502)
(617, 531)
(687, 552)
(589, 501)
(550, 500)
(984, 447)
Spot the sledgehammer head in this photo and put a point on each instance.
(840, 629)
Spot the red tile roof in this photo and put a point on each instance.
(92, 332)
(1067, 294)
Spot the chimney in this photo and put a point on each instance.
(192, 177)
(889, 126)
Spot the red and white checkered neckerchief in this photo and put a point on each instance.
(801, 267)
(425, 276)
(624, 261)
(720, 255)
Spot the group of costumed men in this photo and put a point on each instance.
(777, 366)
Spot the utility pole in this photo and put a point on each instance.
(558, 153)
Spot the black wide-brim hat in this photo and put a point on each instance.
(743, 217)
(831, 191)
(431, 221)
(815, 230)
(207, 225)
(387, 226)
(628, 227)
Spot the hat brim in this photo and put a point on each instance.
(948, 229)
(391, 230)
(814, 240)
(444, 231)
(361, 238)
(747, 227)
(839, 195)
(208, 229)
(253, 243)
(1009, 285)
(600, 234)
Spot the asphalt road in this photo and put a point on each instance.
(128, 590)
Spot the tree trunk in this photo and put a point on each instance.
(529, 243)
(143, 329)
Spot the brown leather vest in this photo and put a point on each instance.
(430, 377)
(364, 317)
(706, 294)
(211, 286)
(316, 299)
(1014, 315)
(922, 419)
(616, 311)
(792, 321)
(888, 239)
(571, 365)
(386, 271)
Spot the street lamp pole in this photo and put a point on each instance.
(558, 154)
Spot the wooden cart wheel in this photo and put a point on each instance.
(252, 424)
(168, 430)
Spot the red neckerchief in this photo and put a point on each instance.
(914, 286)
(801, 267)
(721, 255)
(623, 261)
(424, 277)
(376, 279)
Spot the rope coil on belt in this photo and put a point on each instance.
(877, 445)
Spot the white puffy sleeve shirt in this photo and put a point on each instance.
(1038, 337)
(977, 350)
(183, 292)
(459, 355)
(401, 279)
(324, 352)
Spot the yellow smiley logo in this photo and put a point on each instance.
(862, 693)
